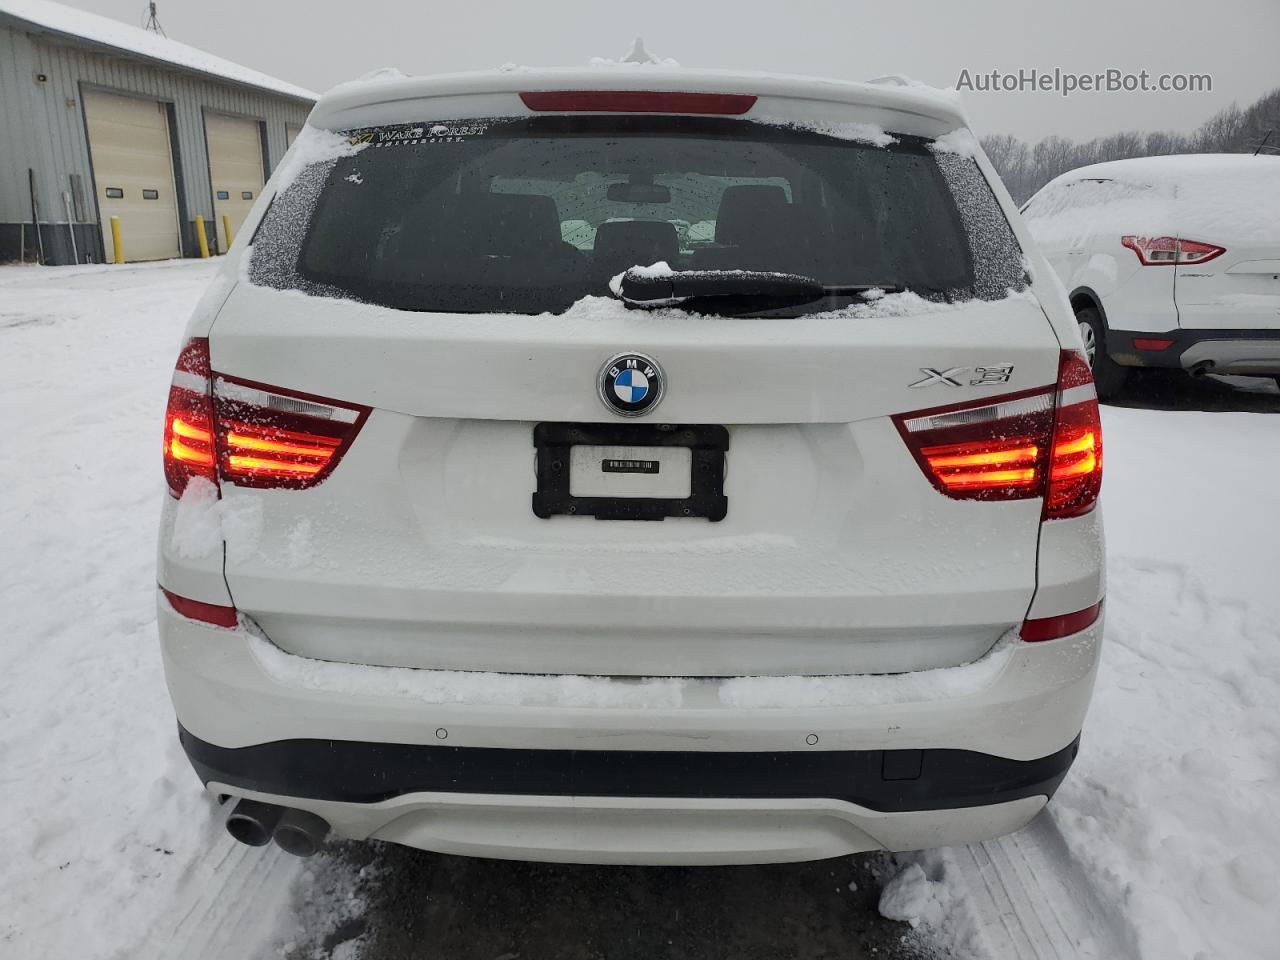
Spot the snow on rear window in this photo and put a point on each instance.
(997, 256)
(868, 133)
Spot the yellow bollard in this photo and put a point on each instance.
(117, 252)
(226, 230)
(201, 238)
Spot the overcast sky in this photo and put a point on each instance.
(317, 44)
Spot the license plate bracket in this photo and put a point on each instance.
(708, 446)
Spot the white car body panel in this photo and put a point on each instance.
(1019, 702)
(831, 494)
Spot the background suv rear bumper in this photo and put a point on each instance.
(1245, 352)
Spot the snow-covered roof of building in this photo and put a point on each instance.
(105, 32)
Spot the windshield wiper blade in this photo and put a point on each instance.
(730, 291)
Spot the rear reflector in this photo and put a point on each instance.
(637, 101)
(1051, 628)
(210, 613)
(1045, 442)
(1141, 343)
(271, 437)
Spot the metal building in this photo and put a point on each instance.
(99, 119)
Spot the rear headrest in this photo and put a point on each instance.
(748, 210)
(508, 224)
(628, 243)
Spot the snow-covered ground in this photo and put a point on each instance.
(1165, 835)
(107, 836)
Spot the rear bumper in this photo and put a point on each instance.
(696, 776)
(1246, 352)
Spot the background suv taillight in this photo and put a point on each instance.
(250, 434)
(1171, 251)
(1038, 443)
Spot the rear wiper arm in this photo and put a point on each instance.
(729, 291)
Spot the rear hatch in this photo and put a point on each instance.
(1232, 205)
(430, 318)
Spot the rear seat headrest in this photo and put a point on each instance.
(509, 224)
(626, 243)
(748, 209)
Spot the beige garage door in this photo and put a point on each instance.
(235, 167)
(133, 173)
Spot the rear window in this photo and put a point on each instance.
(531, 215)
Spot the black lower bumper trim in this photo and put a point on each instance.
(886, 780)
(1121, 349)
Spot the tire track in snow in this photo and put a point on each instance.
(235, 904)
(1026, 897)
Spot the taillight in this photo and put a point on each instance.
(984, 450)
(1075, 471)
(248, 433)
(1038, 443)
(188, 423)
(271, 437)
(1168, 251)
(637, 101)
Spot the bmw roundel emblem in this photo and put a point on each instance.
(631, 384)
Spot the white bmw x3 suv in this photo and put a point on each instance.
(510, 515)
(1170, 262)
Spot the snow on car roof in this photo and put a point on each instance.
(932, 106)
(106, 32)
(1228, 198)
(1169, 169)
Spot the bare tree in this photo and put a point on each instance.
(1026, 168)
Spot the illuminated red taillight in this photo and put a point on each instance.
(271, 437)
(212, 613)
(188, 423)
(250, 434)
(1075, 470)
(1037, 443)
(1169, 251)
(637, 101)
(984, 450)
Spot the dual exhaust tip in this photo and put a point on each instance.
(256, 824)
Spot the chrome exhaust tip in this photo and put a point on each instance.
(300, 832)
(252, 822)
